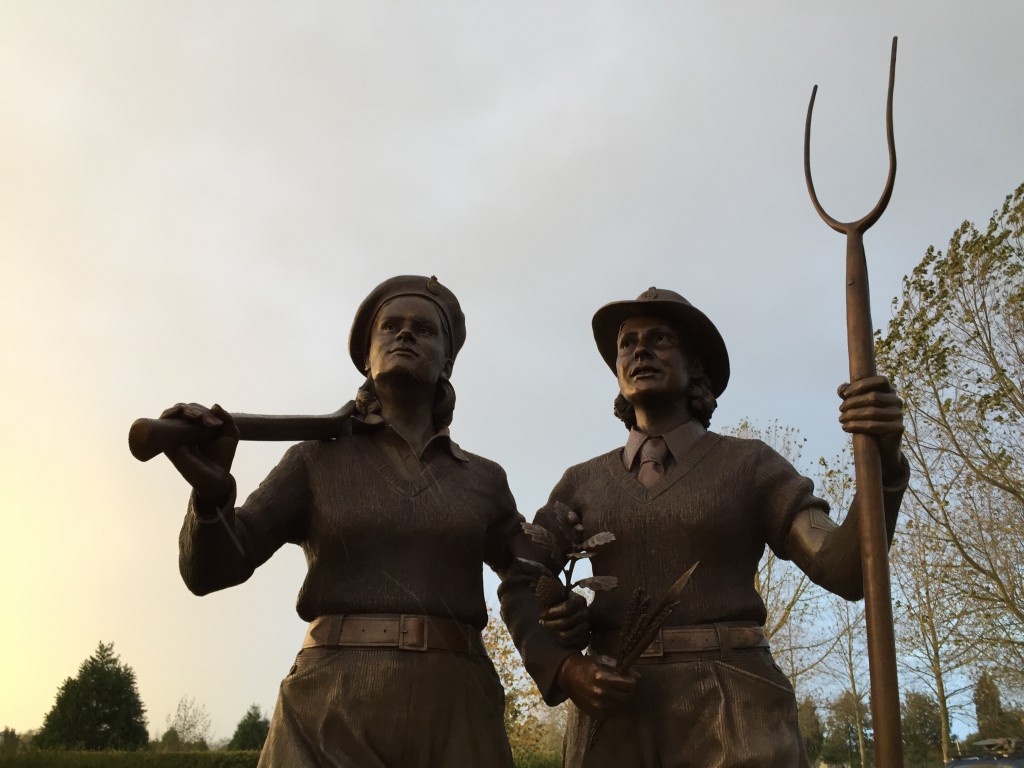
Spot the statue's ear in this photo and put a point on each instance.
(448, 365)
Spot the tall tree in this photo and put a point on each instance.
(988, 706)
(98, 709)
(995, 722)
(793, 603)
(9, 742)
(847, 732)
(930, 613)
(922, 729)
(846, 665)
(811, 728)
(189, 729)
(955, 348)
(251, 731)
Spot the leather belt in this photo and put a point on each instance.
(406, 632)
(707, 637)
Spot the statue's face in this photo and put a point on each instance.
(651, 361)
(407, 339)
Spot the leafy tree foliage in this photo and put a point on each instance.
(251, 731)
(811, 728)
(848, 732)
(9, 741)
(793, 604)
(98, 709)
(534, 730)
(955, 349)
(930, 615)
(994, 722)
(922, 729)
(188, 730)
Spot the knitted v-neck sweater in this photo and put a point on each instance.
(374, 541)
(725, 500)
(721, 504)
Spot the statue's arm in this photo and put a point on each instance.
(220, 545)
(542, 650)
(829, 553)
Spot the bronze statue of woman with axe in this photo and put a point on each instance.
(395, 520)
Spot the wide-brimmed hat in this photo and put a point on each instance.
(693, 324)
(407, 285)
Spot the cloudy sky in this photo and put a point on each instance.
(195, 196)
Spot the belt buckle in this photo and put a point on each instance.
(655, 649)
(408, 629)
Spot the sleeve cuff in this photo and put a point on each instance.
(208, 511)
(896, 480)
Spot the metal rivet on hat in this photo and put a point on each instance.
(650, 293)
(433, 286)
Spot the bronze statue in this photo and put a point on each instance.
(708, 692)
(395, 520)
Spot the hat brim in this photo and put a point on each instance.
(691, 322)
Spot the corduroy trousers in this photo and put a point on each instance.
(696, 710)
(388, 708)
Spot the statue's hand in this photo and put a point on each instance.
(594, 685)
(569, 620)
(206, 465)
(871, 407)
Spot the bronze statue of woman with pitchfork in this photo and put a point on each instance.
(708, 692)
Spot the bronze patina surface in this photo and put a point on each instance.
(708, 692)
(396, 522)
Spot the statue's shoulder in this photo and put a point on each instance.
(598, 463)
(477, 462)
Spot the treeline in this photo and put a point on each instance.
(100, 711)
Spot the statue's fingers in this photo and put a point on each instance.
(886, 412)
(618, 687)
(874, 427)
(174, 412)
(867, 384)
(227, 421)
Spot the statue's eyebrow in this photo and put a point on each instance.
(429, 322)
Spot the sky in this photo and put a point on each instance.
(195, 197)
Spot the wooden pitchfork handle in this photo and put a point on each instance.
(885, 701)
(150, 437)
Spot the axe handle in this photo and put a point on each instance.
(149, 437)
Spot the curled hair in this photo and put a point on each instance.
(700, 401)
(368, 403)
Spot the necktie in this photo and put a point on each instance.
(652, 461)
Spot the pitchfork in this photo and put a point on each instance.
(885, 701)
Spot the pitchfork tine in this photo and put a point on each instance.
(863, 224)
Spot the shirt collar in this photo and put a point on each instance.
(374, 421)
(679, 441)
